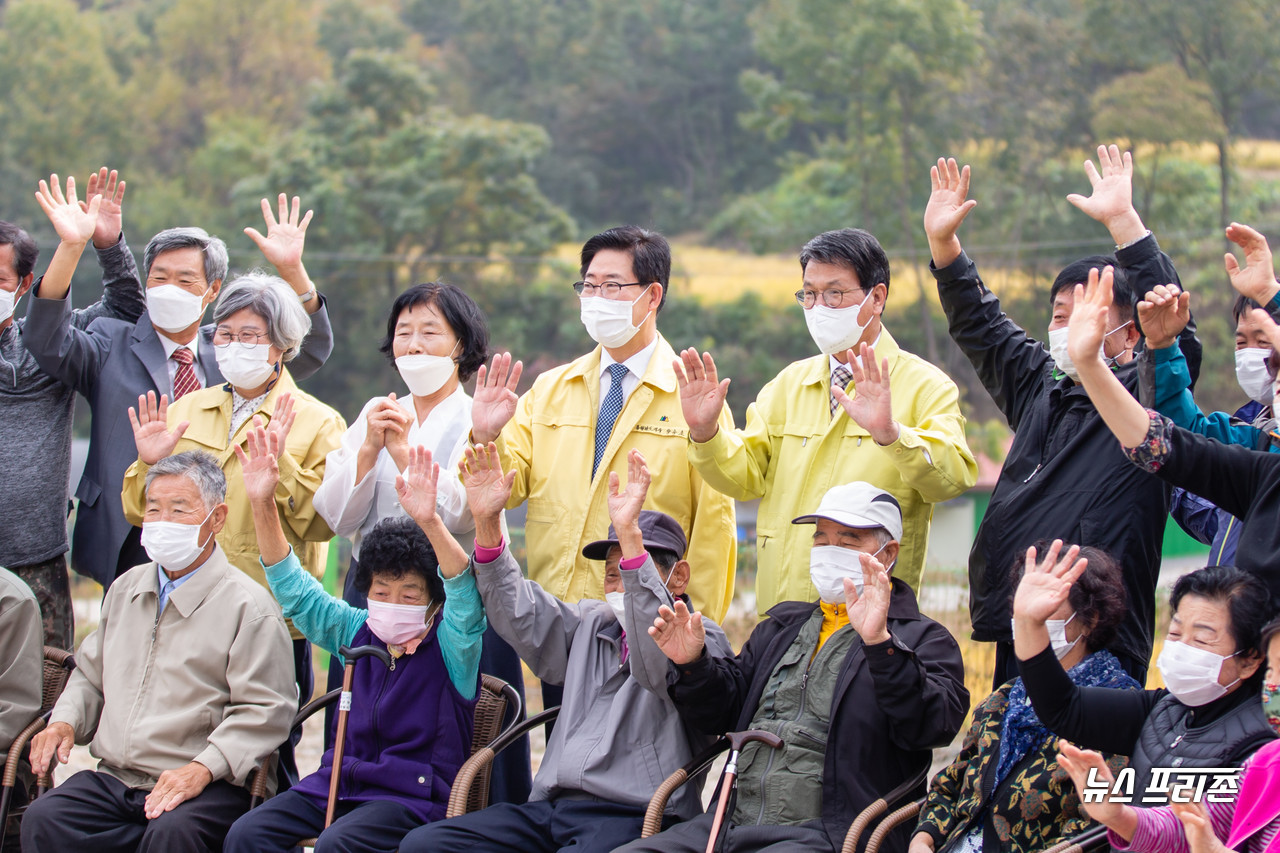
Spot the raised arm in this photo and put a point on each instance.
(74, 226)
(1011, 364)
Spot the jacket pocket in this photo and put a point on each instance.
(88, 492)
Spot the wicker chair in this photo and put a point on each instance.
(468, 796)
(58, 665)
(1094, 838)
(496, 702)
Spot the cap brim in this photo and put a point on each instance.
(860, 523)
(599, 549)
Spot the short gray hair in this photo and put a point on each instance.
(213, 249)
(198, 466)
(268, 296)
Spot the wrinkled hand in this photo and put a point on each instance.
(625, 504)
(175, 787)
(871, 407)
(494, 402)
(151, 432)
(949, 204)
(107, 186)
(869, 612)
(1078, 763)
(702, 393)
(55, 741)
(680, 635)
(281, 421)
(921, 842)
(1046, 584)
(74, 222)
(1163, 314)
(286, 236)
(416, 487)
(1198, 827)
(1112, 198)
(1257, 280)
(1089, 319)
(488, 489)
(260, 466)
(386, 419)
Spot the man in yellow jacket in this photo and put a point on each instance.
(904, 432)
(579, 421)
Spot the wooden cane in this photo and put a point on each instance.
(350, 655)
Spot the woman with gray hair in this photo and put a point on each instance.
(260, 325)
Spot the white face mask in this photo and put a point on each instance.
(172, 308)
(1058, 636)
(829, 565)
(1191, 674)
(616, 601)
(835, 330)
(426, 374)
(1061, 357)
(1252, 374)
(171, 544)
(608, 321)
(8, 300)
(245, 365)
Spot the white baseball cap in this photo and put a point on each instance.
(858, 504)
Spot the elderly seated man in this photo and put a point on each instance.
(21, 667)
(619, 734)
(184, 687)
(859, 685)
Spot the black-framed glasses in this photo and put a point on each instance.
(607, 289)
(830, 298)
(223, 337)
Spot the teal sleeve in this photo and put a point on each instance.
(328, 622)
(462, 631)
(1273, 307)
(1175, 401)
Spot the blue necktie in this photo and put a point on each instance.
(609, 411)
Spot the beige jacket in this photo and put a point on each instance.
(211, 680)
(21, 658)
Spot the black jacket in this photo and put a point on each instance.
(894, 703)
(1066, 475)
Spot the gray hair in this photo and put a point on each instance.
(268, 296)
(883, 537)
(214, 250)
(197, 466)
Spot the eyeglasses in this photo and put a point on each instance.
(222, 337)
(830, 298)
(608, 289)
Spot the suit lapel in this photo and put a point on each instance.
(147, 347)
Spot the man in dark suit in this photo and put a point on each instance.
(112, 362)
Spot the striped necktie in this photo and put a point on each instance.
(839, 379)
(184, 379)
(610, 408)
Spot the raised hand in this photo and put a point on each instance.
(1046, 584)
(1090, 317)
(702, 393)
(871, 407)
(625, 504)
(1198, 827)
(488, 489)
(74, 222)
(1111, 201)
(949, 204)
(869, 612)
(107, 186)
(286, 235)
(679, 634)
(494, 402)
(1163, 314)
(259, 465)
(281, 422)
(416, 487)
(1257, 280)
(1078, 763)
(151, 431)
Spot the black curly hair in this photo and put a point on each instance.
(1097, 597)
(461, 313)
(394, 548)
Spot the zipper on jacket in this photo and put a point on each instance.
(804, 696)
(1033, 473)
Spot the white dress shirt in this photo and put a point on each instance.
(172, 346)
(636, 366)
